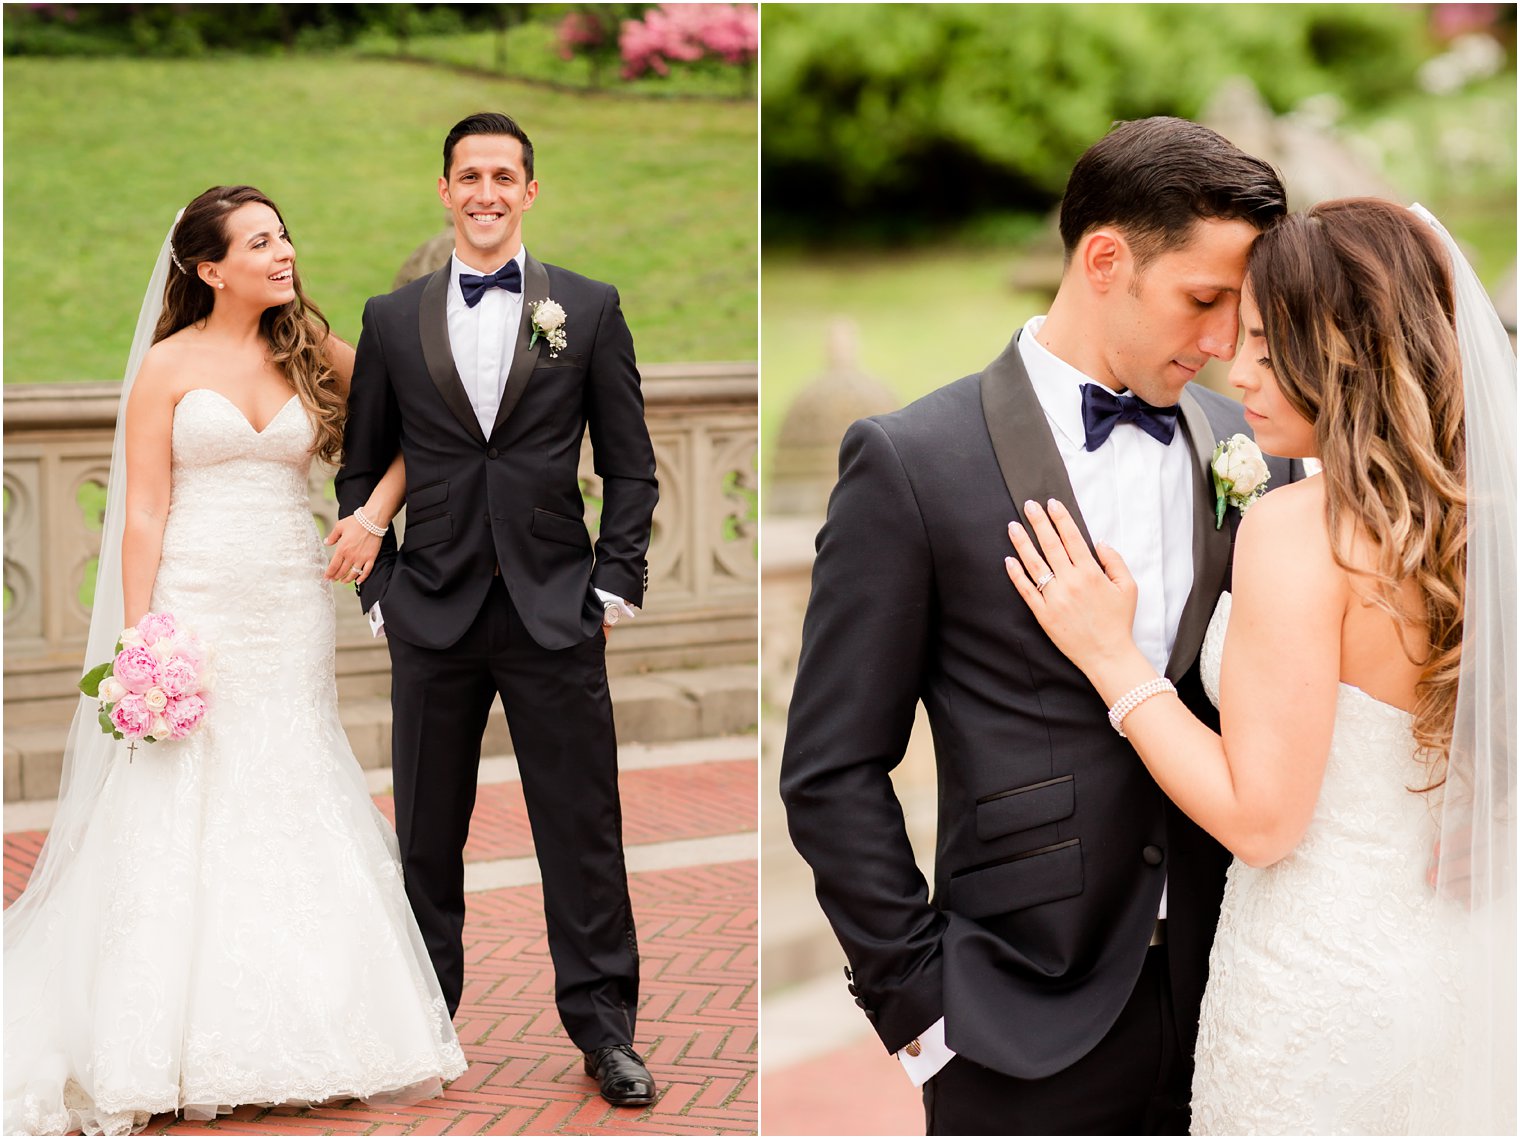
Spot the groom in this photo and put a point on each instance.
(1052, 985)
(497, 588)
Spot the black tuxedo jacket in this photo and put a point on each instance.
(1053, 841)
(511, 497)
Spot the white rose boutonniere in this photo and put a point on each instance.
(549, 322)
(1240, 475)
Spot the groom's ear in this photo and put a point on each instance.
(1103, 256)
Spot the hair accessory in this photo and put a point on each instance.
(1134, 698)
(175, 258)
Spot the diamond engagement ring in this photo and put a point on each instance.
(1050, 576)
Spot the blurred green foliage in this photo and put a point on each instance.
(190, 30)
(881, 118)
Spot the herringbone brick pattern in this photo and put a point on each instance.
(697, 1025)
(692, 801)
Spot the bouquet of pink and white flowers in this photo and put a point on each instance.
(154, 687)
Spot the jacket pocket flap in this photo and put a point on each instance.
(1025, 807)
(563, 360)
(427, 497)
(558, 528)
(428, 532)
(1029, 879)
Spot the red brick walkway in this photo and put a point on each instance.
(697, 1020)
(854, 1090)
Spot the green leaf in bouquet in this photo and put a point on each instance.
(105, 722)
(90, 684)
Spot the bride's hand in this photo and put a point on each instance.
(1087, 609)
(356, 550)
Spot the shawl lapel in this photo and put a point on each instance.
(1021, 439)
(535, 289)
(1211, 546)
(433, 321)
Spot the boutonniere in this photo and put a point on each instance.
(1240, 475)
(549, 322)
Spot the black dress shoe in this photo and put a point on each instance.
(620, 1073)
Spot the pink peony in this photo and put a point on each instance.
(155, 626)
(132, 717)
(177, 676)
(134, 667)
(184, 715)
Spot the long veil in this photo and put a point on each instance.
(89, 752)
(1476, 860)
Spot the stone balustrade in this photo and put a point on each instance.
(701, 608)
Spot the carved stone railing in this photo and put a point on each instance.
(701, 607)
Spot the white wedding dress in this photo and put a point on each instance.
(1333, 994)
(232, 927)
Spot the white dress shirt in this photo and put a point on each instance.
(483, 340)
(1135, 493)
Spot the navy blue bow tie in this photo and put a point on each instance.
(1102, 411)
(508, 277)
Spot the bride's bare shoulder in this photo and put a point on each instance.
(1284, 537)
(174, 365)
(1291, 516)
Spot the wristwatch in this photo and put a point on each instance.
(611, 613)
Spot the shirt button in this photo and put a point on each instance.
(492, 453)
(1152, 855)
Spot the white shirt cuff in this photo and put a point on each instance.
(629, 611)
(933, 1055)
(376, 621)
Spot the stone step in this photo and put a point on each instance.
(654, 707)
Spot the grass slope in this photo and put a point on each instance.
(658, 198)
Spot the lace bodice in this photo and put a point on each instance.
(1329, 1002)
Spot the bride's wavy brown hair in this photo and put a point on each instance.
(1357, 307)
(296, 332)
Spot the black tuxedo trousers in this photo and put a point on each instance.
(559, 712)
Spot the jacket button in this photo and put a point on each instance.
(1152, 856)
(914, 1047)
(860, 1002)
(492, 453)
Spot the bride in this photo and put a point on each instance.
(221, 921)
(1363, 973)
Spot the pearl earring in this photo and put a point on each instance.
(221, 284)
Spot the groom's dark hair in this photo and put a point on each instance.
(488, 122)
(1154, 178)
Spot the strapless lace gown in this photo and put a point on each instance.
(234, 927)
(1333, 989)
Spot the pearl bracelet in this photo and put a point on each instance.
(377, 531)
(1134, 698)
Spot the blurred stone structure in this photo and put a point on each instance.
(798, 944)
(1315, 161)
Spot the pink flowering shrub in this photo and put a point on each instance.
(579, 31)
(687, 33)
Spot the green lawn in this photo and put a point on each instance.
(657, 197)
